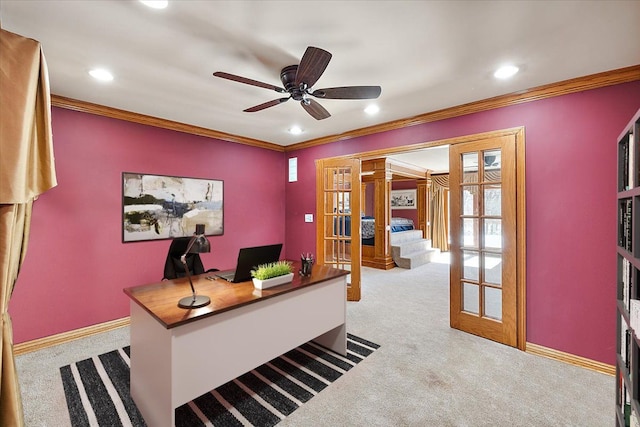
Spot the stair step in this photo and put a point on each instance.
(410, 247)
(405, 236)
(416, 259)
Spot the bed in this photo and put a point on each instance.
(369, 229)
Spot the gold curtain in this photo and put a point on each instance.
(26, 171)
(438, 214)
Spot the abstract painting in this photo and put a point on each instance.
(166, 207)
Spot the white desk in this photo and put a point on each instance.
(178, 355)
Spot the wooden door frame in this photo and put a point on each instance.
(521, 226)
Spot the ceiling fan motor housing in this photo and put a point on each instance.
(288, 78)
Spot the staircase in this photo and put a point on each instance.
(410, 250)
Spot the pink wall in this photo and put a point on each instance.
(77, 265)
(571, 215)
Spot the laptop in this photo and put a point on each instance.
(249, 259)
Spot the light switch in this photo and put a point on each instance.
(308, 217)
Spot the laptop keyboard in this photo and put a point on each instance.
(227, 276)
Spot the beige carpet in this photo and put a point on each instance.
(425, 374)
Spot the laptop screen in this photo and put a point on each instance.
(250, 258)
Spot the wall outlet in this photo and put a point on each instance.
(308, 217)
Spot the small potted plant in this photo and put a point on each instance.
(272, 274)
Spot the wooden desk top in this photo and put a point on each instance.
(161, 299)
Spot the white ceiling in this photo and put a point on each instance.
(436, 159)
(426, 55)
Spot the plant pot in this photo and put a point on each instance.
(274, 281)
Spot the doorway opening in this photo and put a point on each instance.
(500, 313)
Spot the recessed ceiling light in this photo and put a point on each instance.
(505, 72)
(156, 4)
(295, 130)
(372, 109)
(101, 74)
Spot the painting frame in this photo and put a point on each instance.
(160, 207)
(403, 199)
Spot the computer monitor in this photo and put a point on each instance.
(250, 258)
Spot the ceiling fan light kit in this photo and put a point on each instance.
(298, 81)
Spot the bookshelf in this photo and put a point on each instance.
(628, 290)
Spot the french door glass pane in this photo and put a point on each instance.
(343, 202)
(470, 232)
(342, 227)
(470, 264)
(470, 167)
(330, 251)
(330, 202)
(470, 201)
(345, 253)
(493, 303)
(492, 165)
(492, 200)
(330, 224)
(330, 179)
(492, 268)
(492, 234)
(470, 298)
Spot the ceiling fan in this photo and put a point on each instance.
(298, 81)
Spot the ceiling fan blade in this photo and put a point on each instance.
(316, 110)
(312, 65)
(266, 105)
(248, 81)
(348, 92)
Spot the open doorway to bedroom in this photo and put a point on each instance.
(419, 200)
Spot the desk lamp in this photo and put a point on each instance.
(197, 244)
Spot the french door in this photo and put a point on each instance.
(338, 224)
(483, 274)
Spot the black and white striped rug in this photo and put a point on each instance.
(97, 389)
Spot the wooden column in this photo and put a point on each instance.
(379, 174)
(424, 205)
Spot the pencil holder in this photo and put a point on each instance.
(307, 265)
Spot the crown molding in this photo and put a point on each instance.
(114, 113)
(579, 84)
